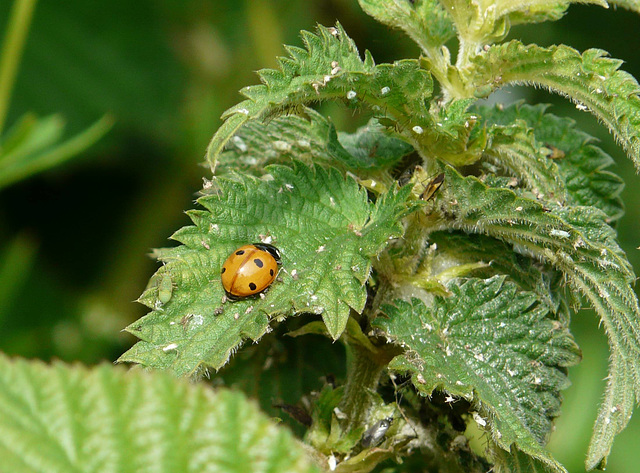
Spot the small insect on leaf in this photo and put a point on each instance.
(375, 434)
(432, 187)
(556, 153)
(165, 288)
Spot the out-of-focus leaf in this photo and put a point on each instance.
(68, 418)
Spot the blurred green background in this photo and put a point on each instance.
(74, 240)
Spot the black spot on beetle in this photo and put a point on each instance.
(252, 286)
(241, 252)
(271, 272)
(258, 262)
(223, 270)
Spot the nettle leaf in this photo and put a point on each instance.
(371, 147)
(467, 249)
(515, 148)
(68, 418)
(425, 21)
(578, 242)
(330, 68)
(327, 232)
(582, 165)
(494, 346)
(312, 138)
(633, 5)
(325, 69)
(592, 80)
(516, 461)
(536, 11)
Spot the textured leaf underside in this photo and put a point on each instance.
(72, 419)
(494, 346)
(327, 232)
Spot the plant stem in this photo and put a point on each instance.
(362, 379)
(12, 47)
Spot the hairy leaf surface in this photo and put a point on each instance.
(581, 164)
(425, 21)
(591, 79)
(494, 346)
(312, 138)
(514, 147)
(67, 418)
(327, 232)
(330, 68)
(578, 242)
(527, 273)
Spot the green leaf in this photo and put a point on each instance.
(494, 346)
(467, 249)
(516, 461)
(68, 418)
(633, 5)
(33, 145)
(330, 68)
(592, 80)
(480, 23)
(581, 164)
(515, 148)
(537, 11)
(327, 232)
(371, 147)
(325, 69)
(578, 242)
(425, 21)
(312, 138)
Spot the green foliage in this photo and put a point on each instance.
(68, 418)
(326, 231)
(578, 242)
(312, 138)
(425, 21)
(581, 165)
(33, 145)
(495, 347)
(464, 283)
(591, 80)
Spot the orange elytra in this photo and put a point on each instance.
(249, 270)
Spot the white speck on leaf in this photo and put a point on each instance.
(417, 130)
(239, 143)
(479, 420)
(282, 145)
(559, 233)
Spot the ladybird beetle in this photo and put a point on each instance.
(249, 270)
